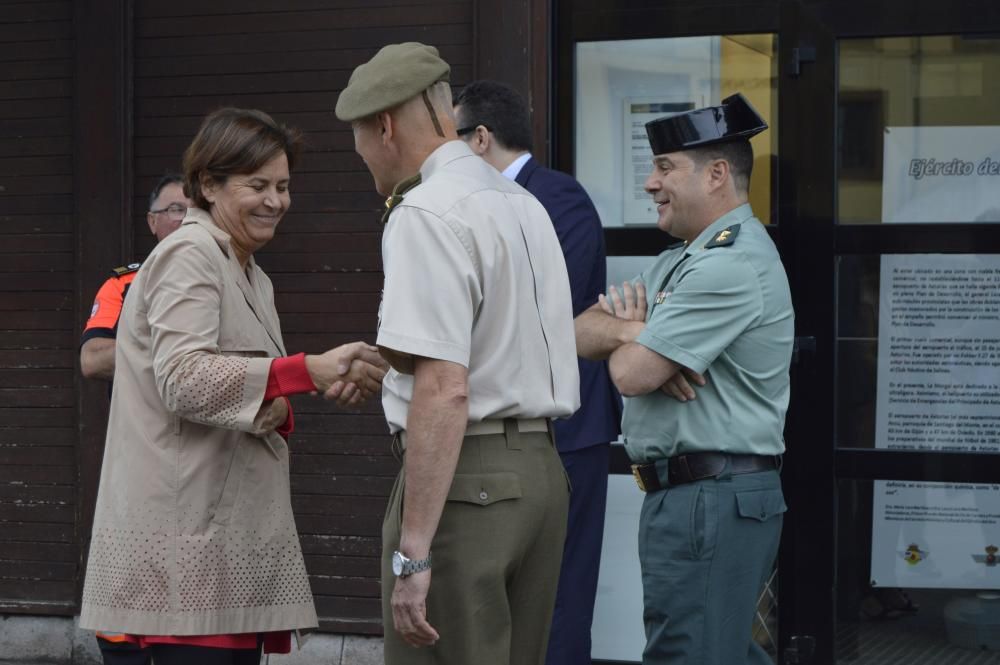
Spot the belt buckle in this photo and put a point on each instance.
(638, 477)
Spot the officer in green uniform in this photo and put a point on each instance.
(719, 306)
(476, 320)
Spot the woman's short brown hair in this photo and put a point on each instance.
(235, 141)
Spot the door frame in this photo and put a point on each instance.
(809, 241)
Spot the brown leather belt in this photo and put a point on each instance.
(692, 467)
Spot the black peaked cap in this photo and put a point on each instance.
(734, 119)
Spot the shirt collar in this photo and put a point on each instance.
(442, 155)
(514, 168)
(737, 215)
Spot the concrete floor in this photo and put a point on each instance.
(26, 640)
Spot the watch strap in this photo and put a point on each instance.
(412, 566)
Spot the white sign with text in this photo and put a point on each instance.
(938, 390)
(941, 175)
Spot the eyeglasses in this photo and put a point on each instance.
(468, 130)
(174, 211)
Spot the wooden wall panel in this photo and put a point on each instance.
(38, 503)
(192, 57)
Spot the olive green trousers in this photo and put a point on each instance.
(496, 555)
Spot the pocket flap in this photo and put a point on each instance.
(485, 488)
(760, 504)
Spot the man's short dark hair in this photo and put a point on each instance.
(168, 179)
(739, 154)
(500, 109)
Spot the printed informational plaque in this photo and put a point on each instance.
(941, 175)
(638, 206)
(938, 390)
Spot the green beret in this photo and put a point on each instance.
(397, 73)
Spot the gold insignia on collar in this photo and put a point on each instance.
(722, 236)
(396, 197)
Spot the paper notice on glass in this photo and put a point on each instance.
(936, 535)
(938, 390)
(941, 174)
(638, 206)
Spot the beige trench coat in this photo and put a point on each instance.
(194, 533)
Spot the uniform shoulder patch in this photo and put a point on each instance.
(398, 192)
(724, 238)
(121, 271)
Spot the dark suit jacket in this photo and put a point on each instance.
(582, 239)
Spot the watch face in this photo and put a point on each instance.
(397, 564)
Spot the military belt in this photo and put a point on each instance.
(485, 427)
(689, 468)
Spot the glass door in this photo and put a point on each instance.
(891, 205)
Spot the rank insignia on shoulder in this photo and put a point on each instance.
(120, 271)
(724, 238)
(398, 192)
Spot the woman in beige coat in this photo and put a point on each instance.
(194, 549)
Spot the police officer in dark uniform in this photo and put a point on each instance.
(719, 305)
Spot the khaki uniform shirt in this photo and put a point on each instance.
(474, 274)
(193, 532)
(726, 310)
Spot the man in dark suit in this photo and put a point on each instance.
(493, 120)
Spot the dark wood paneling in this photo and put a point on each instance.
(38, 500)
(13, 51)
(102, 167)
(499, 24)
(345, 37)
(276, 24)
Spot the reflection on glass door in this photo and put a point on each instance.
(918, 350)
(621, 85)
(919, 130)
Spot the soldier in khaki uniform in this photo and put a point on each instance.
(476, 322)
(720, 306)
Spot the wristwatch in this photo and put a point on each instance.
(404, 567)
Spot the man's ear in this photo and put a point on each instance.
(719, 174)
(150, 219)
(385, 125)
(481, 141)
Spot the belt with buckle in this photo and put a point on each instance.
(681, 469)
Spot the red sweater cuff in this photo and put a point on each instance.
(287, 427)
(288, 376)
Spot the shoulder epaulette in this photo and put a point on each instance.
(396, 197)
(724, 238)
(121, 271)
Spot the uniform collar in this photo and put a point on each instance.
(737, 215)
(443, 155)
(398, 193)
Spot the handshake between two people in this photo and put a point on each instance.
(349, 374)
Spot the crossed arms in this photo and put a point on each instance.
(608, 331)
